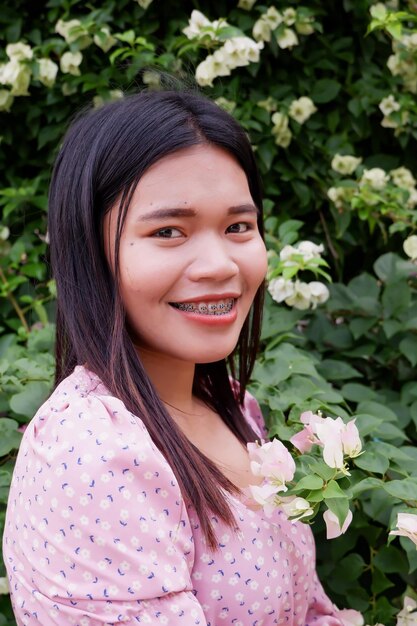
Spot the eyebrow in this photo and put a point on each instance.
(161, 214)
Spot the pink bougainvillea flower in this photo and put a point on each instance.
(408, 614)
(329, 432)
(351, 441)
(272, 461)
(406, 526)
(350, 617)
(265, 495)
(295, 507)
(333, 528)
(306, 438)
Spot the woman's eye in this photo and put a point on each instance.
(167, 233)
(240, 227)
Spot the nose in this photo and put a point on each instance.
(212, 260)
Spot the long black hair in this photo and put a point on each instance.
(104, 154)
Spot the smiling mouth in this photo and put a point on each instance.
(219, 307)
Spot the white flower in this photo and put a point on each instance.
(206, 72)
(280, 129)
(286, 254)
(386, 122)
(280, 289)
(4, 585)
(319, 293)
(388, 105)
(47, 72)
(287, 39)
(336, 195)
(246, 4)
(273, 18)
(289, 15)
(375, 177)
(407, 615)
(70, 62)
(261, 30)
(305, 26)
(307, 249)
(104, 39)
(333, 526)
(150, 77)
(6, 100)
(70, 30)
(295, 507)
(19, 51)
(301, 296)
(345, 163)
(410, 247)
(394, 64)
(17, 75)
(402, 177)
(196, 23)
(300, 110)
(412, 198)
(144, 3)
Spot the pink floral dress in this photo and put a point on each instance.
(97, 532)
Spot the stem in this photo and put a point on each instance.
(15, 303)
(328, 238)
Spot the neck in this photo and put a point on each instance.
(173, 379)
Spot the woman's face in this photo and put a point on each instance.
(191, 256)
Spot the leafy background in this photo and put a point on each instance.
(354, 355)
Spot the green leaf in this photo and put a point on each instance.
(372, 460)
(10, 437)
(333, 369)
(333, 490)
(325, 90)
(339, 506)
(312, 482)
(357, 392)
(27, 402)
(408, 347)
(390, 560)
(405, 489)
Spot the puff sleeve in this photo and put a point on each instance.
(97, 532)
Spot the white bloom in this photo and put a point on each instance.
(300, 110)
(150, 77)
(345, 163)
(286, 253)
(287, 39)
(206, 72)
(6, 100)
(402, 177)
(241, 51)
(70, 62)
(386, 122)
(375, 177)
(246, 4)
(305, 26)
(273, 18)
(336, 195)
(17, 75)
(410, 247)
(4, 585)
(412, 198)
(295, 507)
(319, 293)
(309, 250)
(104, 39)
(388, 105)
(196, 23)
(144, 3)
(19, 51)
(261, 30)
(300, 299)
(70, 30)
(280, 289)
(289, 16)
(280, 129)
(47, 72)
(394, 64)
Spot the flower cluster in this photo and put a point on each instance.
(410, 247)
(299, 110)
(284, 25)
(236, 51)
(273, 463)
(284, 286)
(375, 193)
(23, 66)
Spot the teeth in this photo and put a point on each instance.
(206, 308)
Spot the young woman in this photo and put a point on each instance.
(127, 501)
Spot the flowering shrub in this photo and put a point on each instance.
(326, 92)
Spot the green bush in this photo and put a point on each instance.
(311, 83)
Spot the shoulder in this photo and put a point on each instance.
(83, 434)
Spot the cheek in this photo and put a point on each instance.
(255, 264)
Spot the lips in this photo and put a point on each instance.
(206, 307)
